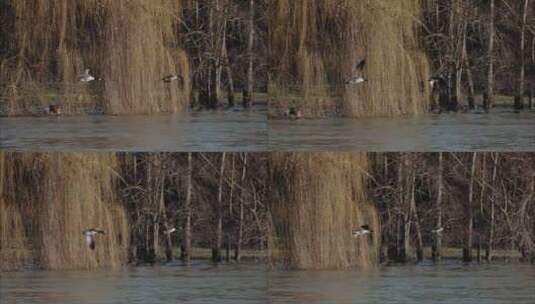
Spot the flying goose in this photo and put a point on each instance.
(437, 230)
(172, 77)
(436, 82)
(356, 80)
(90, 236)
(357, 77)
(86, 76)
(364, 229)
(169, 231)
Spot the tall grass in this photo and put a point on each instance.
(130, 44)
(47, 200)
(317, 199)
(316, 44)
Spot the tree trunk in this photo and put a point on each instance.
(490, 241)
(241, 216)
(163, 215)
(248, 92)
(437, 244)
(519, 98)
(406, 195)
(228, 70)
(467, 250)
(216, 250)
(186, 252)
(531, 92)
(471, 90)
(227, 249)
(415, 217)
(488, 99)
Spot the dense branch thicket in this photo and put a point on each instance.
(297, 208)
(481, 48)
(129, 46)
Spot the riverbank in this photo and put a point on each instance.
(328, 107)
(53, 103)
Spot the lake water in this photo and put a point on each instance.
(498, 131)
(452, 282)
(226, 130)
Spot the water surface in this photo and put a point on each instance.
(227, 130)
(499, 131)
(452, 282)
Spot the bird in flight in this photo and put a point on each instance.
(172, 77)
(364, 229)
(357, 77)
(90, 235)
(170, 230)
(86, 76)
(437, 230)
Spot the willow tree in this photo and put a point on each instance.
(130, 45)
(317, 200)
(47, 200)
(315, 46)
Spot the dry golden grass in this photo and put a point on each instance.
(316, 44)
(130, 44)
(47, 200)
(317, 199)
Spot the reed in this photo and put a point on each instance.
(131, 45)
(58, 196)
(317, 199)
(316, 44)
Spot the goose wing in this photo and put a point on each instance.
(360, 65)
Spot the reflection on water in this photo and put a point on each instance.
(500, 131)
(252, 283)
(197, 131)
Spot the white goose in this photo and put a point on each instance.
(171, 77)
(90, 236)
(86, 76)
(437, 230)
(357, 77)
(364, 230)
(169, 231)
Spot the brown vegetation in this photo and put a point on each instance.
(131, 45)
(317, 200)
(316, 44)
(297, 208)
(47, 200)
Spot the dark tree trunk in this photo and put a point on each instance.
(490, 240)
(216, 250)
(186, 245)
(437, 244)
(519, 98)
(249, 89)
(467, 250)
(489, 95)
